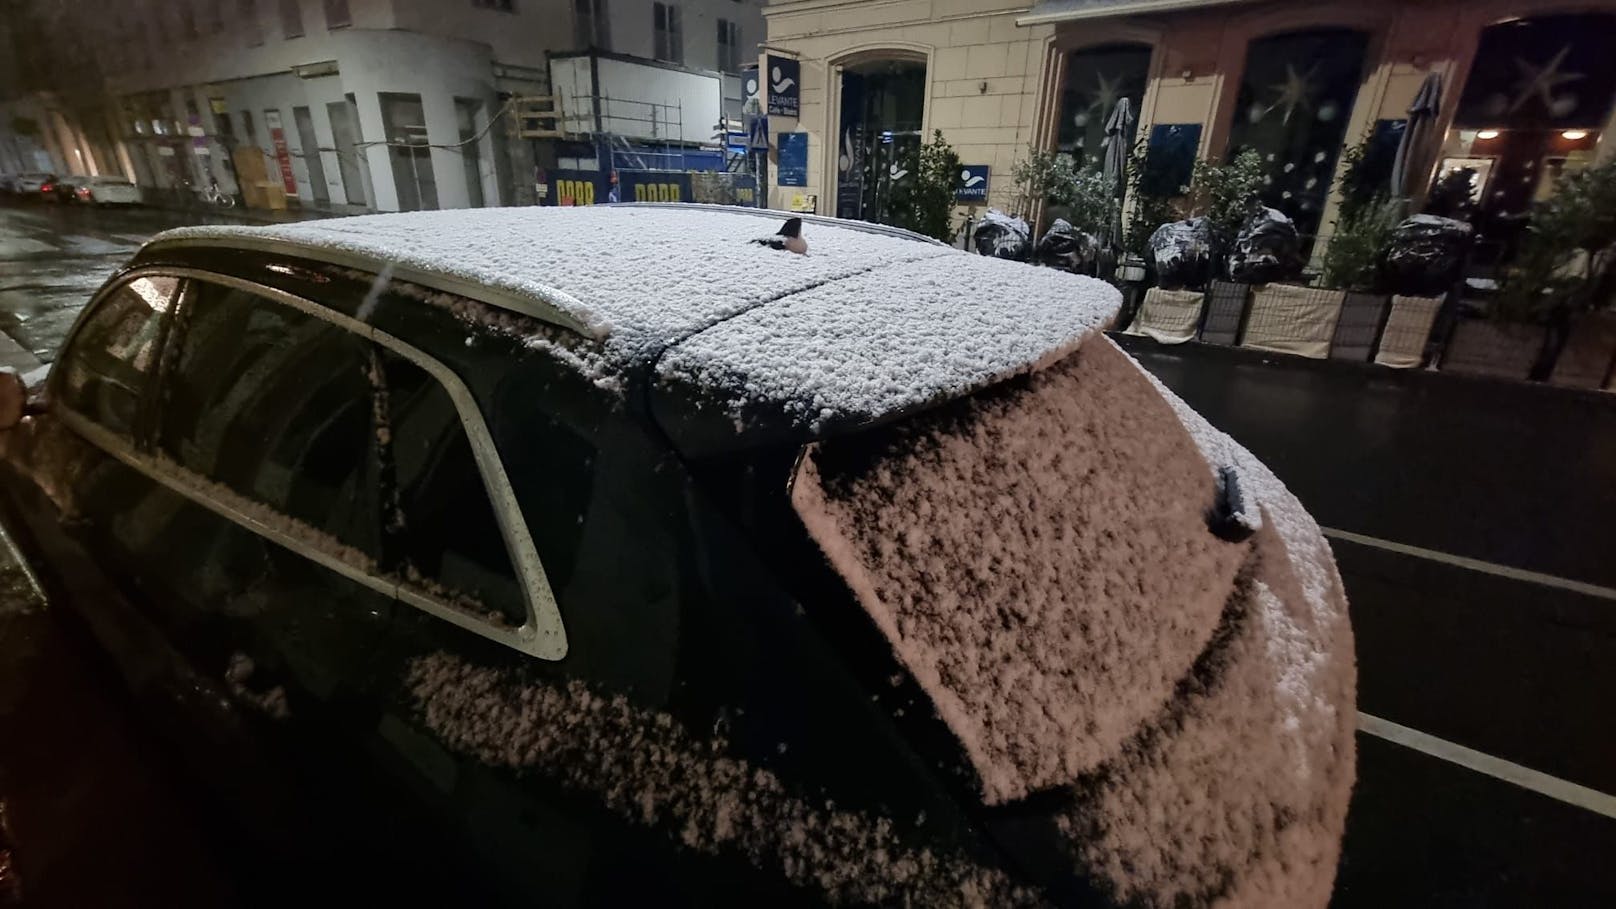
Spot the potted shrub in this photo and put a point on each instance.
(1051, 183)
(1148, 211)
(1363, 231)
(1562, 272)
(924, 203)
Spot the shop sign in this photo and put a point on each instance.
(283, 155)
(785, 89)
(973, 183)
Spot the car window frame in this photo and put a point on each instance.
(541, 634)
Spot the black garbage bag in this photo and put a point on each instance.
(1425, 255)
(1181, 252)
(1003, 237)
(1267, 249)
(1064, 246)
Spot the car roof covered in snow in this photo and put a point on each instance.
(871, 322)
(631, 275)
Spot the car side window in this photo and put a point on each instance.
(114, 351)
(274, 404)
(448, 540)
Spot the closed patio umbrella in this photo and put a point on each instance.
(1115, 167)
(1421, 114)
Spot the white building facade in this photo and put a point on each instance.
(365, 104)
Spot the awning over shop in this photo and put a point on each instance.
(1046, 11)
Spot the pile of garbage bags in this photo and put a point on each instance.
(1064, 246)
(1425, 255)
(1267, 249)
(1181, 253)
(1003, 236)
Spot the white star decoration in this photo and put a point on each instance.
(1295, 93)
(1541, 81)
(1106, 92)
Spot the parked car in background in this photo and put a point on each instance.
(609, 556)
(65, 189)
(34, 185)
(107, 190)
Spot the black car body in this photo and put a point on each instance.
(461, 576)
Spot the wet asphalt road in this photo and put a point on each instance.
(1520, 476)
(1516, 475)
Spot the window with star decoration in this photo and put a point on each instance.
(1546, 72)
(1096, 78)
(1295, 99)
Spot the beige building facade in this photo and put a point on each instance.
(999, 76)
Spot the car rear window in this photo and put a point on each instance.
(1038, 556)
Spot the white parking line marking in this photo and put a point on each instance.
(1503, 571)
(1497, 768)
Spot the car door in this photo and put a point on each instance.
(85, 458)
(272, 418)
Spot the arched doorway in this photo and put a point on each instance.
(1533, 104)
(1093, 80)
(1296, 95)
(883, 100)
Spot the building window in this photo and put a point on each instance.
(1096, 79)
(291, 18)
(670, 42)
(249, 21)
(590, 24)
(404, 121)
(504, 6)
(1521, 127)
(337, 15)
(729, 46)
(1295, 100)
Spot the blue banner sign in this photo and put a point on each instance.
(575, 187)
(784, 77)
(793, 169)
(973, 183)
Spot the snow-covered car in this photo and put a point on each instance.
(609, 555)
(106, 190)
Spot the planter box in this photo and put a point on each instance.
(1408, 328)
(1356, 330)
(1289, 319)
(1585, 361)
(1169, 316)
(1482, 347)
(1225, 312)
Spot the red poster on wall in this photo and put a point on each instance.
(272, 119)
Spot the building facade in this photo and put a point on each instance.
(369, 104)
(1525, 86)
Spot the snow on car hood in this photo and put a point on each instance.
(878, 344)
(1039, 559)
